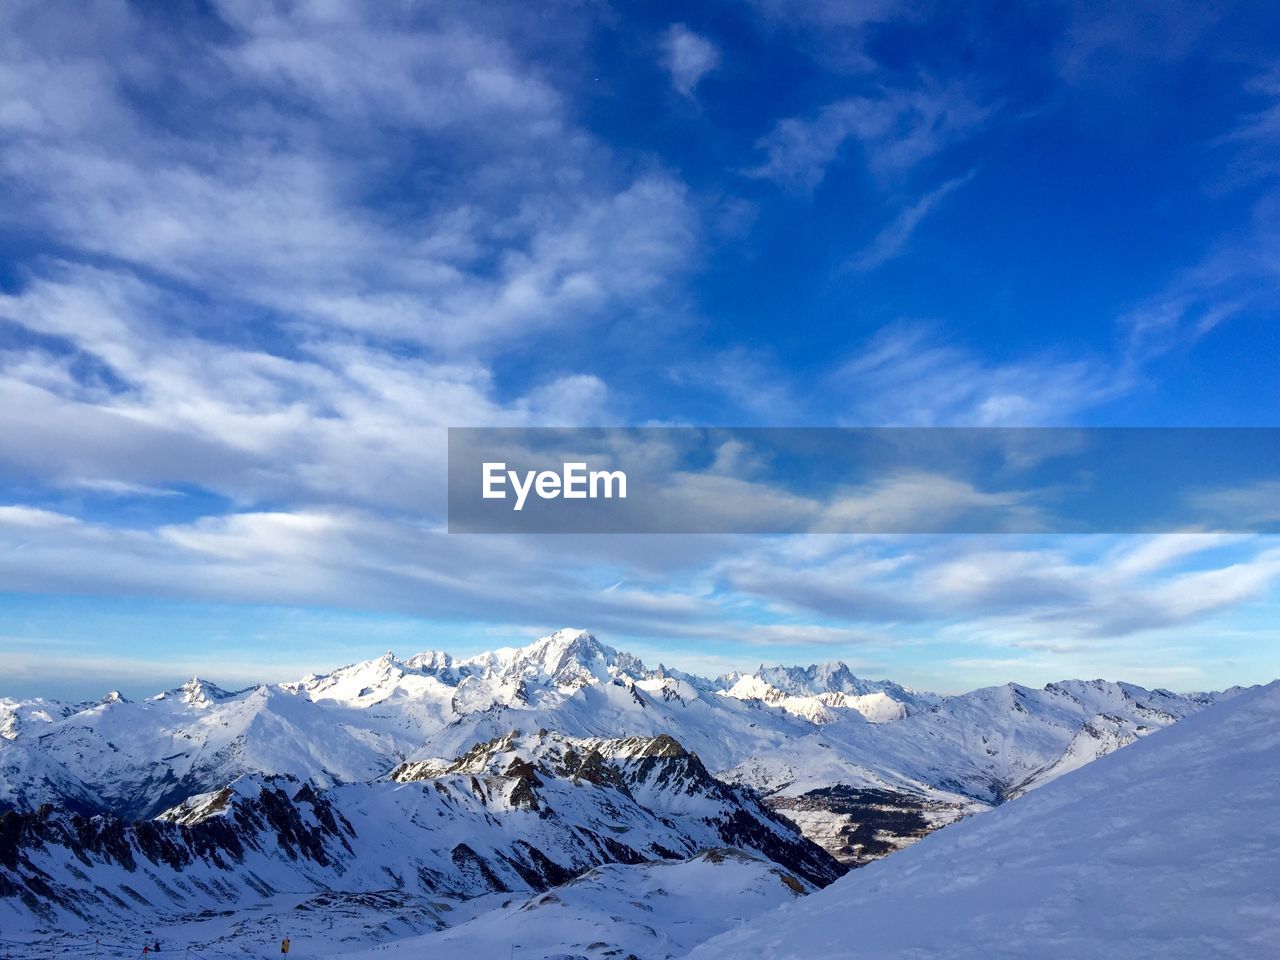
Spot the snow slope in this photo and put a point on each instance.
(520, 814)
(140, 757)
(18, 716)
(653, 911)
(26, 772)
(1166, 849)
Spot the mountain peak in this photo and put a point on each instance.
(199, 691)
(566, 636)
(430, 661)
(568, 657)
(831, 676)
(565, 652)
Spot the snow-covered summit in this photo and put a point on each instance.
(833, 676)
(828, 706)
(197, 692)
(798, 735)
(564, 657)
(820, 691)
(547, 669)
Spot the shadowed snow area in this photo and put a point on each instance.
(649, 911)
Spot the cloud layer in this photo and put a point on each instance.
(257, 257)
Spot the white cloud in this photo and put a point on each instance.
(920, 501)
(749, 378)
(893, 239)
(896, 129)
(235, 313)
(688, 57)
(1153, 554)
(1077, 602)
(340, 422)
(1036, 593)
(520, 221)
(908, 376)
(1237, 277)
(1252, 505)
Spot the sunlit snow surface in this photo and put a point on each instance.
(1168, 846)
(783, 730)
(1167, 849)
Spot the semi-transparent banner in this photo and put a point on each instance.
(863, 480)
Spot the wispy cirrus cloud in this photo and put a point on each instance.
(235, 303)
(894, 237)
(1025, 592)
(1237, 276)
(895, 130)
(909, 375)
(1055, 596)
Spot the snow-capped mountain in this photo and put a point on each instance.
(357, 722)
(446, 792)
(824, 707)
(833, 684)
(17, 716)
(29, 776)
(140, 757)
(862, 766)
(863, 790)
(657, 773)
(521, 814)
(1167, 849)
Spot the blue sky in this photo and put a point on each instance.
(255, 258)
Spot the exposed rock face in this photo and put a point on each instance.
(59, 863)
(858, 826)
(656, 773)
(513, 814)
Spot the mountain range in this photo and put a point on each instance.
(433, 781)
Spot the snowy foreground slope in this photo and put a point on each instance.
(648, 911)
(1168, 849)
